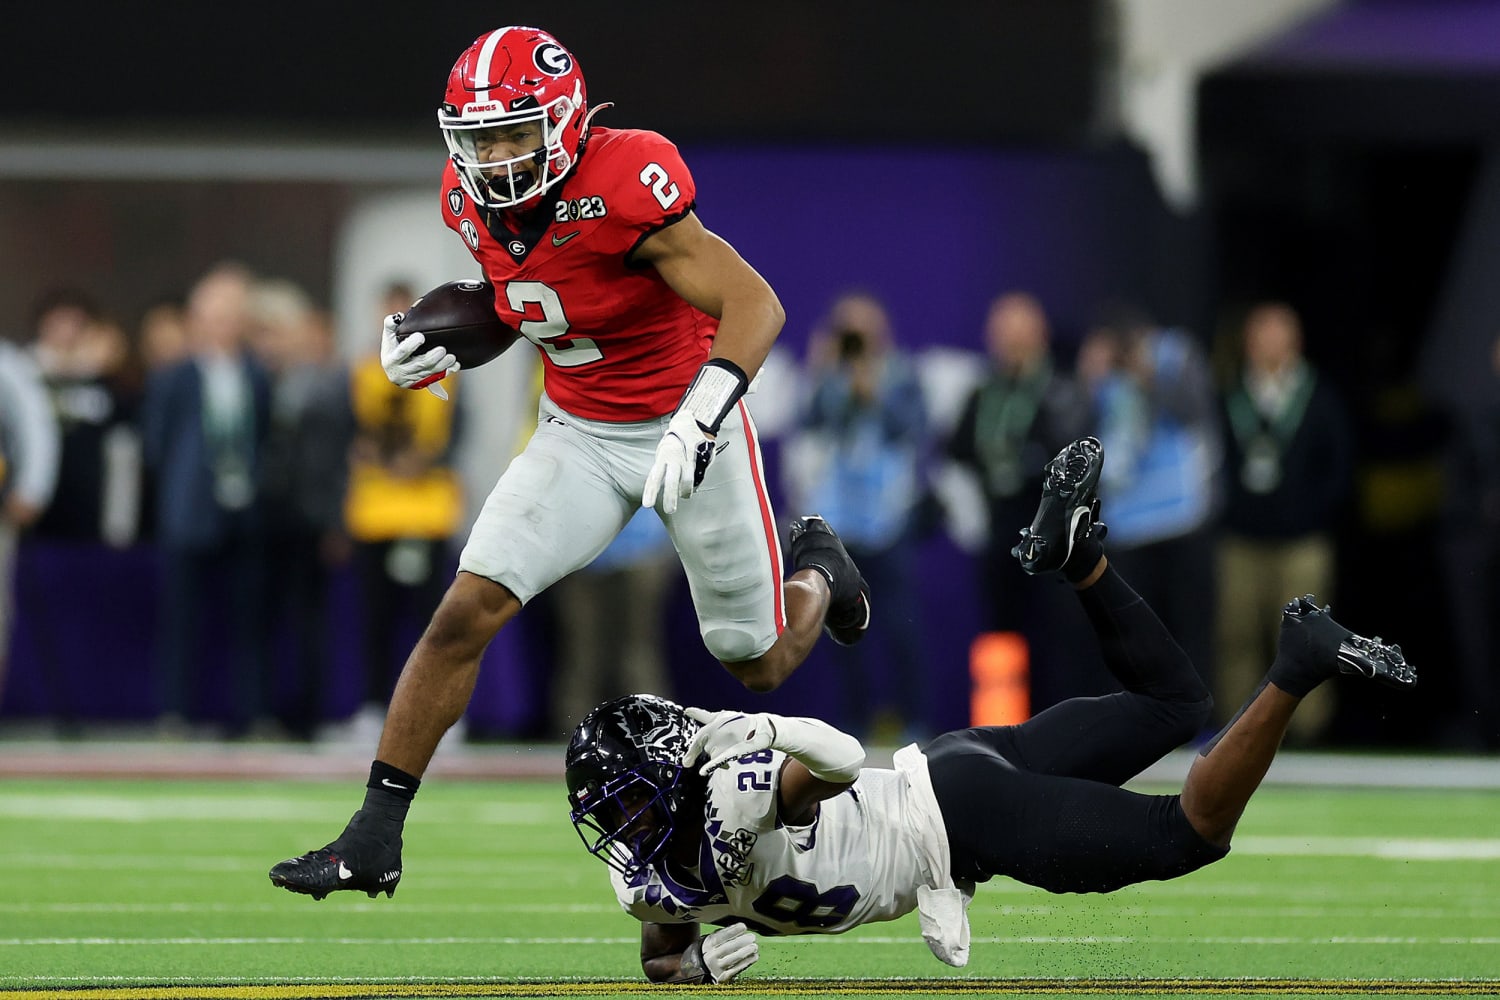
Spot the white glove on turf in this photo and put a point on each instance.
(422, 371)
(727, 952)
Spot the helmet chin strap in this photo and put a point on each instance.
(588, 121)
(589, 118)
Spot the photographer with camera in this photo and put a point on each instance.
(858, 460)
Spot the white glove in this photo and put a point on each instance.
(424, 371)
(727, 736)
(828, 754)
(681, 461)
(688, 445)
(727, 952)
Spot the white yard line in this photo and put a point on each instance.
(828, 940)
(146, 758)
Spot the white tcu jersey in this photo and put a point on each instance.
(860, 860)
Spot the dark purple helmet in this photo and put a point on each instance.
(626, 782)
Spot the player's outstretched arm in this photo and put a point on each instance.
(674, 953)
(821, 760)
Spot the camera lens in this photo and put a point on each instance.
(851, 344)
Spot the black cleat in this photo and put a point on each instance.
(1068, 511)
(372, 867)
(815, 545)
(1322, 647)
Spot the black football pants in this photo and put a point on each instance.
(1040, 802)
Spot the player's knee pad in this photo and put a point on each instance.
(731, 645)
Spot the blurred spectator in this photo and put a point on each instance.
(163, 334)
(1289, 462)
(1015, 421)
(304, 473)
(1471, 556)
(1158, 419)
(204, 420)
(94, 385)
(610, 618)
(404, 505)
(29, 455)
(161, 342)
(59, 327)
(858, 461)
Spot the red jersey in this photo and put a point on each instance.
(616, 342)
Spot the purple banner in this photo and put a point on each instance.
(1394, 34)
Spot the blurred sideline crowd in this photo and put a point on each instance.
(225, 433)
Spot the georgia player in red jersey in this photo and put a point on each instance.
(650, 328)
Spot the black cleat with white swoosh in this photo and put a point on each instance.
(1376, 660)
(1314, 647)
(358, 860)
(1069, 509)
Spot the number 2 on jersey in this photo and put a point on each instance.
(654, 176)
(550, 332)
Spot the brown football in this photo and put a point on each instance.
(460, 316)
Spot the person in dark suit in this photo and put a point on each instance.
(203, 423)
(1289, 464)
(1024, 411)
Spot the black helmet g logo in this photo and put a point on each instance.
(552, 59)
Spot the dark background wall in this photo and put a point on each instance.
(932, 74)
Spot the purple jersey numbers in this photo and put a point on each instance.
(791, 900)
(755, 779)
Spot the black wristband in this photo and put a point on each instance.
(730, 367)
(713, 392)
(393, 780)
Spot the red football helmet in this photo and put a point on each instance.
(513, 76)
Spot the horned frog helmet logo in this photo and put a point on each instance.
(659, 728)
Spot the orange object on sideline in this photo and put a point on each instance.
(1000, 669)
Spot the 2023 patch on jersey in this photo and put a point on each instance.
(617, 343)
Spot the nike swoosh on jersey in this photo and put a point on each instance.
(558, 241)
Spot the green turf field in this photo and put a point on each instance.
(129, 885)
